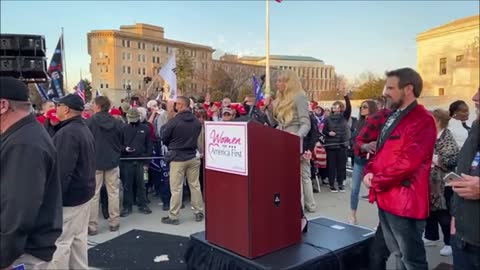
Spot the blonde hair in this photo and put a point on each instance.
(284, 104)
(442, 117)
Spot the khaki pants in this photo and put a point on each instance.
(32, 263)
(178, 170)
(112, 182)
(72, 245)
(306, 187)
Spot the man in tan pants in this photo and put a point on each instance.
(76, 162)
(108, 146)
(180, 135)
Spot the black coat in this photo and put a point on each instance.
(76, 161)
(107, 132)
(137, 136)
(30, 191)
(180, 135)
(337, 124)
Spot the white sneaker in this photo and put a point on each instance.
(429, 243)
(446, 251)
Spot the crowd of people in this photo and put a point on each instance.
(93, 157)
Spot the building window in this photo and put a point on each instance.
(139, 87)
(139, 45)
(128, 69)
(124, 56)
(106, 68)
(143, 45)
(441, 91)
(153, 59)
(123, 69)
(158, 60)
(106, 85)
(139, 71)
(139, 57)
(167, 50)
(459, 58)
(443, 66)
(143, 71)
(101, 85)
(128, 43)
(129, 56)
(123, 43)
(143, 58)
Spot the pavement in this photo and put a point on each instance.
(331, 205)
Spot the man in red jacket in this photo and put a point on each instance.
(398, 174)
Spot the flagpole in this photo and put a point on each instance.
(267, 48)
(64, 63)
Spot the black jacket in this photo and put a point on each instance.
(137, 136)
(180, 135)
(313, 135)
(337, 124)
(466, 212)
(51, 129)
(31, 197)
(107, 132)
(76, 161)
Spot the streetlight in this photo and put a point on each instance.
(129, 91)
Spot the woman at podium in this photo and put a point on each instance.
(290, 114)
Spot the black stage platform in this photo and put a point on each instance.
(328, 244)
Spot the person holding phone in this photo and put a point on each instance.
(466, 201)
(444, 161)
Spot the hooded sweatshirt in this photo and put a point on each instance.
(107, 132)
(180, 135)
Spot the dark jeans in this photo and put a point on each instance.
(403, 237)
(337, 165)
(200, 175)
(133, 176)
(378, 252)
(161, 185)
(443, 218)
(465, 256)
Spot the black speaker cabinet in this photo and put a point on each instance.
(22, 45)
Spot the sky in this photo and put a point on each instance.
(353, 36)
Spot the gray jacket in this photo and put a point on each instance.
(300, 123)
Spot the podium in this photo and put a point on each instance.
(252, 188)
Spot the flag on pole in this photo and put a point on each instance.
(81, 90)
(169, 74)
(41, 91)
(98, 93)
(257, 89)
(55, 70)
(279, 1)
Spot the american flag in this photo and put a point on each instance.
(81, 90)
(279, 1)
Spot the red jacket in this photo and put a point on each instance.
(401, 167)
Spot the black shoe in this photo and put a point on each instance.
(333, 189)
(325, 183)
(144, 210)
(126, 212)
(199, 217)
(168, 220)
(341, 189)
(105, 212)
(315, 190)
(166, 207)
(365, 197)
(147, 201)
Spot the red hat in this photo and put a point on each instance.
(241, 110)
(313, 105)
(52, 115)
(261, 103)
(218, 104)
(206, 105)
(115, 111)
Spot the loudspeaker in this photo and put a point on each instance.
(24, 67)
(9, 67)
(22, 45)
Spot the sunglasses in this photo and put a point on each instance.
(364, 107)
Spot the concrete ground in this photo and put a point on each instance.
(332, 205)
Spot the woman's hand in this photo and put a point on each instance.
(332, 133)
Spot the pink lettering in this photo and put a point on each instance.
(219, 138)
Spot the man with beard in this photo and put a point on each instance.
(466, 201)
(398, 175)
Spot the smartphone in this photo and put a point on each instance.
(451, 177)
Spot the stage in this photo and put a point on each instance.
(328, 244)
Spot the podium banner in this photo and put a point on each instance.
(226, 147)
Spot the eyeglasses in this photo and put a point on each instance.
(364, 107)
